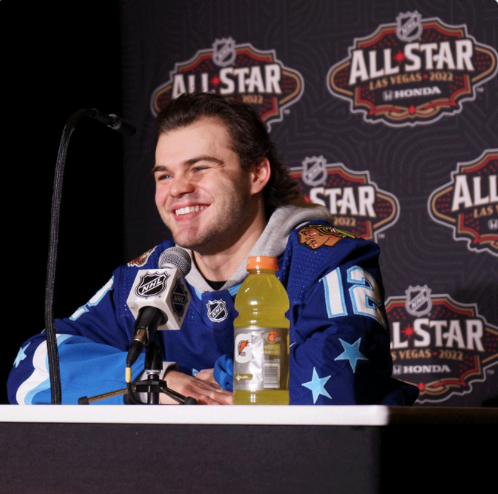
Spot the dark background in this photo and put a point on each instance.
(70, 59)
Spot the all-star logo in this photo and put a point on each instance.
(152, 284)
(254, 76)
(217, 310)
(356, 203)
(469, 203)
(412, 72)
(444, 351)
(179, 298)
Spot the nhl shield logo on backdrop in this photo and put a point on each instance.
(418, 300)
(355, 202)
(314, 171)
(224, 52)
(152, 284)
(469, 203)
(253, 76)
(412, 72)
(217, 310)
(409, 26)
(445, 351)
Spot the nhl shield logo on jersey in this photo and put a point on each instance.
(253, 76)
(469, 203)
(442, 346)
(412, 72)
(152, 284)
(217, 310)
(356, 203)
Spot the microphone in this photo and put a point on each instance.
(159, 299)
(114, 122)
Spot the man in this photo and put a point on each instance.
(224, 195)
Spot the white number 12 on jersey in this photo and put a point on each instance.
(363, 292)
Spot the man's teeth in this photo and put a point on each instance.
(190, 209)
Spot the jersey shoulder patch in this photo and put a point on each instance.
(141, 260)
(317, 235)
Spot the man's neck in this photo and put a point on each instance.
(222, 265)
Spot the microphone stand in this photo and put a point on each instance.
(152, 385)
(145, 336)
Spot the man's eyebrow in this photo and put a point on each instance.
(204, 157)
(158, 168)
(190, 162)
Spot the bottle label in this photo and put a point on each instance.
(261, 359)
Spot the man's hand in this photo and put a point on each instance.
(208, 376)
(205, 391)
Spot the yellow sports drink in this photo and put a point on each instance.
(261, 353)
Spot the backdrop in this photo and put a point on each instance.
(387, 114)
(386, 111)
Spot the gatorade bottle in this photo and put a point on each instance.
(261, 353)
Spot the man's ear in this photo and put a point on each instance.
(260, 174)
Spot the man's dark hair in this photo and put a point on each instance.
(250, 139)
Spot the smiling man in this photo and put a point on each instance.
(224, 195)
(210, 204)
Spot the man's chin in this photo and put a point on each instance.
(189, 241)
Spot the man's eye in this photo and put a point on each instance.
(163, 176)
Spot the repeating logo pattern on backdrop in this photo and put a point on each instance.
(442, 346)
(356, 202)
(412, 72)
(469, 203)
(254, 76)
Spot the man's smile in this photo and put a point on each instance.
(189, 209)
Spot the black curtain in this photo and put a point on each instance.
(58, 61)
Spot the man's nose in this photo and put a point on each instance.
(181, 184)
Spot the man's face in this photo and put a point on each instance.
(202, 193)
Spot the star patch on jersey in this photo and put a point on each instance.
(141, 260)
(317, 386)
(20, 356)
(351, 353)
(317, 235)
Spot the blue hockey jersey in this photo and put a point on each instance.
(339, 335)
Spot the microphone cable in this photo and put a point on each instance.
(121, 126)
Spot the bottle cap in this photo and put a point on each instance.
(262, 262)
